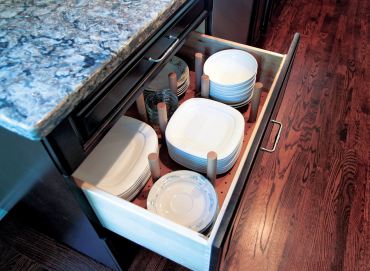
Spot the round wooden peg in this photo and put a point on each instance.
(172, 80)
(162, 117)
(212, 166)
(140, 104)
(198, 66)
(205, 86)
(255, 101)
(155, 169)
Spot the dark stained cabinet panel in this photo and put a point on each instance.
(46, 202)
(243, 21)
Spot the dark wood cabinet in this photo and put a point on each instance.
(242, 21)
(46, 199)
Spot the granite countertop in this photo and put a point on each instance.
(54, 53)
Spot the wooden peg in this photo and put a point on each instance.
(255, 101)
(140, 104)
(155, 170)
(205, 86)
(162, 117)
(198, 70)
(172, 80)
(212, 166)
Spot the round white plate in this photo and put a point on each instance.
(185, 197)
(230, 67)
(181, 90)
(160, 82)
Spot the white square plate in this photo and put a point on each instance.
(200, 125)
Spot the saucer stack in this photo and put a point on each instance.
(232, 75)
(160, 82)
(199, 126)
(119, 164)
(185, 197)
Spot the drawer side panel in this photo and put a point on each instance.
(268, 62)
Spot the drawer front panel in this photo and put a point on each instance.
(144, 228)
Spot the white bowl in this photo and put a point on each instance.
(233, 92)
(246, 83)
(230, 67)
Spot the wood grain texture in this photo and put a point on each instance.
(307, 206)
(23, 248)
(13, 260)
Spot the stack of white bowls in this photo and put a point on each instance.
(232, 75)
(199, 126)
(119, 164)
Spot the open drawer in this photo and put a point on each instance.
(182, 245)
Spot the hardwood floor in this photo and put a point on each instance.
(26, 249)
(307, 205)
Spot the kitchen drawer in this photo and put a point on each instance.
(180, 244)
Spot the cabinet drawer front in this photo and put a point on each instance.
(167, 238)
(182, 245)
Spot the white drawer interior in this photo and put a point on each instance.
(133, 221)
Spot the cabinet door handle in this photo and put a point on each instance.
(169, 50)
(277, 137)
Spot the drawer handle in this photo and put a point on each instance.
(277, 137)
(169, 50)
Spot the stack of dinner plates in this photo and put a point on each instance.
(185, 197)
(199, 126)
(232, 75)
(160, 82)
(119, 164)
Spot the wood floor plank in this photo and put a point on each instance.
(36, 251)
(318, 176)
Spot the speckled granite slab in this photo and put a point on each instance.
(53, 53)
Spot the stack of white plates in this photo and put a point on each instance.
(185, 197)
(232, 75)
(199, 126)
(160, 82)
(119, 164)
